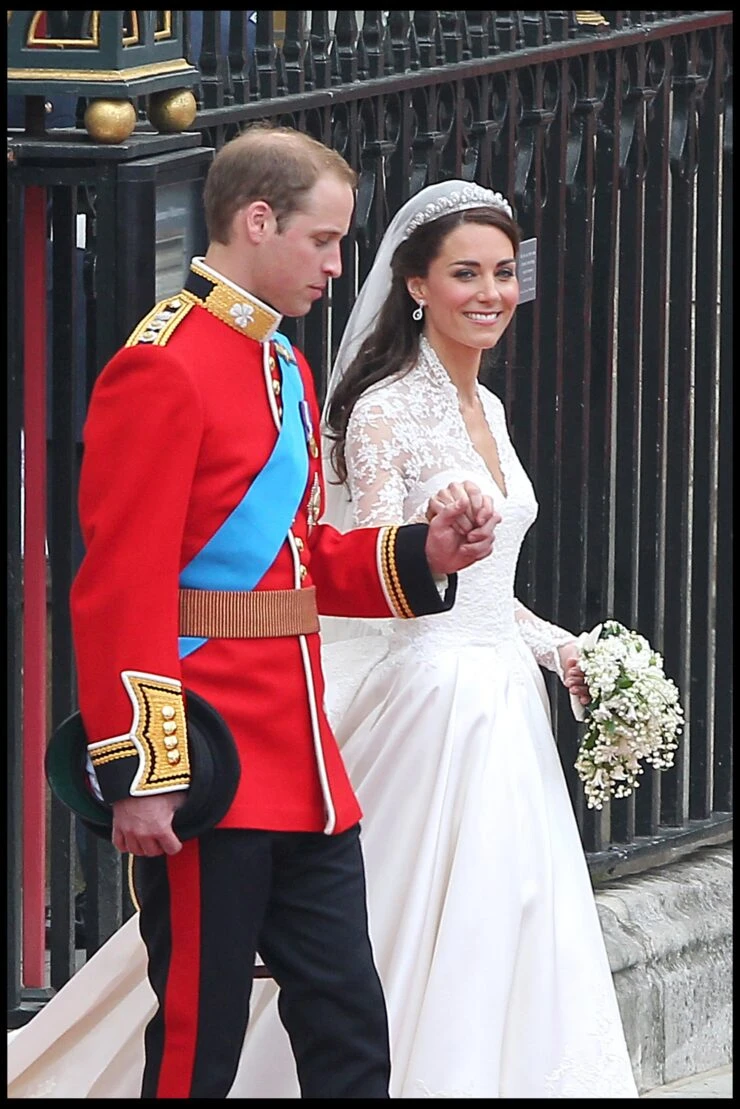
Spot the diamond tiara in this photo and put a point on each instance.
(470, 196)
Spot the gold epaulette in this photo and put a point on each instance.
(157, 327)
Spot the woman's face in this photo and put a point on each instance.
(471, 289)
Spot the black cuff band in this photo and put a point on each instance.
(417, 580)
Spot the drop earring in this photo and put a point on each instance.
(418, 313)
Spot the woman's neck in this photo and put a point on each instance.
(461, 365)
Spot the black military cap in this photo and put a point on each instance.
(214, 772)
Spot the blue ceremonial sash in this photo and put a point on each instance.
(243, 549)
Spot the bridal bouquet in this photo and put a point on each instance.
(634, 715)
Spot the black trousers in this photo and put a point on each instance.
(299, 900)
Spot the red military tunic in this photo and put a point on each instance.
(181, 422)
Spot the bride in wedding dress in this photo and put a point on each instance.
(481, 909)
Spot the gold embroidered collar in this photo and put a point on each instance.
(230, 304)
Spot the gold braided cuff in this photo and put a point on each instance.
(158, 736)
(389, 570)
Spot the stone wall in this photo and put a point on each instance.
(668, 933)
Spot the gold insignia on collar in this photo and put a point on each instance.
(236, 308)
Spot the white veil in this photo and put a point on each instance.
(428, 204)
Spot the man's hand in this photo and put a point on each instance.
(143, 825)
(574, 679)
(461, 524)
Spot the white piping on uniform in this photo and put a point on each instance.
(268, 384)
(331, 816)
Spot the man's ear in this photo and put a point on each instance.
(258, 220)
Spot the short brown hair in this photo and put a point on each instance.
(276, 164)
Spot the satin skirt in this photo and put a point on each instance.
(482, 914)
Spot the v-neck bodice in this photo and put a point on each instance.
(406, 439)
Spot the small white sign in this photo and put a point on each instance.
(526, 266)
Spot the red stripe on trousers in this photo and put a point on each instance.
(183, 980)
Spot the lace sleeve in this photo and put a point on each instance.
(543, 639)
(376, 464)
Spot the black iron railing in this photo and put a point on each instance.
(613, 140)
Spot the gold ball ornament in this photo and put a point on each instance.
(172, 110)
(110, 121)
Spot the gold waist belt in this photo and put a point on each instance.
(253, 614)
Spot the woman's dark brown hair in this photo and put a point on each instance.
(393, 345)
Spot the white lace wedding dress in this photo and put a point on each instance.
(481, 909)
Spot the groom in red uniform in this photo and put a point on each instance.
(205, 570)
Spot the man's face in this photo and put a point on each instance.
(296, 263)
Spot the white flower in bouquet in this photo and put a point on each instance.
(634, 715)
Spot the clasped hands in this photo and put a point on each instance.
(461, 523)
(461, 527)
